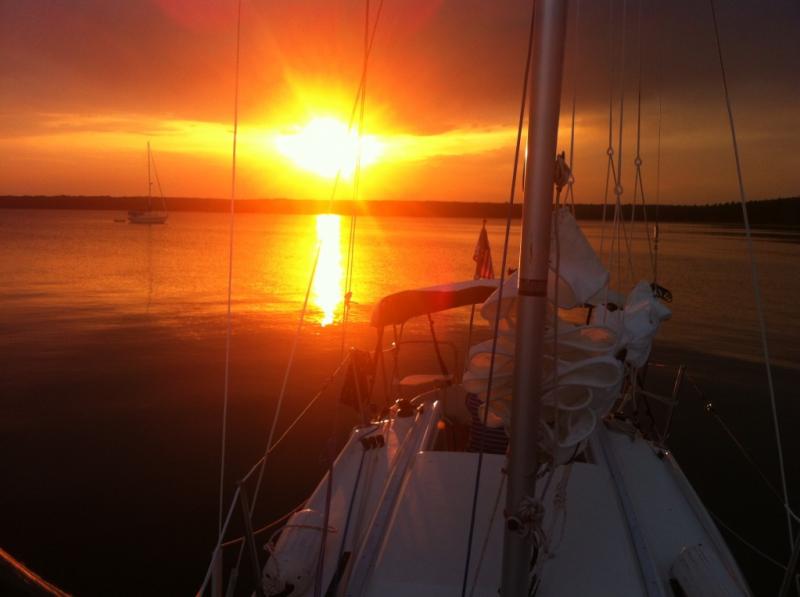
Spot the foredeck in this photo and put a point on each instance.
(625, 525)
(424, 552)
(623, 522)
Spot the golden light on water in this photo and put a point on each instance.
(325, 146)
(328, 279)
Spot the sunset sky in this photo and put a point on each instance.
(85, 84)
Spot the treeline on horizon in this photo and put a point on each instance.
(767, 212)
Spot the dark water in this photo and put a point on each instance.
(112, 345)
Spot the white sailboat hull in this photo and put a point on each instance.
(147, 217)
(632, 525)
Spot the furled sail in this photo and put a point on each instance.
(584, 365)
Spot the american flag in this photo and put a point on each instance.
(482, 256)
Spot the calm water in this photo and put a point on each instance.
(112, 355)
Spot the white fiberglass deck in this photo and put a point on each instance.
(400, 513)
(424, 550)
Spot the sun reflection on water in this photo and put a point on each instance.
(328, 278)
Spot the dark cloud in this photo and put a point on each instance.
(436, 66)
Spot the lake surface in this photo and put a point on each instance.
(112, 348)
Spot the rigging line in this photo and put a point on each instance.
(754, 277)
(362, 95)
(261, 464)
(556, 412)
(360, 518)
(747, 543)
(616, 239)
(268, 450)
(331, 456)
(298, 418)
(218, 546)
(616, 172)
(638, 182)
(362, 99)
(609, 170)
(285, 382)
(348, 277)
(571, 182)
(645, 220)
(356, 485)
(637, 160)
(158, 182)
(620, 225)
(302, 413)
(283, 436)
(149, 179)
(617, 225)
(324, 540)
(509, 217)
(228, 317)
(300, 322)
(560, 506)
(612, 170)
(557, 242)
(266, 527)
(488, 533)
(356, 100)
(752, 462)
(351, 247)
(610, 147)
(618, 188)
(576, 42)
(709, 407)
(658, 151)
(369, 40)
(628, 247)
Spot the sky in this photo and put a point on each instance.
(85, 84)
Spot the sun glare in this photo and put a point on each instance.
(324, 146)
(328, 277)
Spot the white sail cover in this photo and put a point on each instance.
(636, 324)
(580, 272)
(584, 365)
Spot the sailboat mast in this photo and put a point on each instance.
(550, 24)
(149, 181)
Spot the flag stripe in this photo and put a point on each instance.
(482, 256)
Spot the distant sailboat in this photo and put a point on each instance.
(149, 216)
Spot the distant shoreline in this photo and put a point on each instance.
(775, 213)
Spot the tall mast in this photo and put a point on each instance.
(149, 181)
(550, 24)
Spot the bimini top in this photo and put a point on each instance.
(400, 307)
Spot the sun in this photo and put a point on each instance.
(325, 147)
